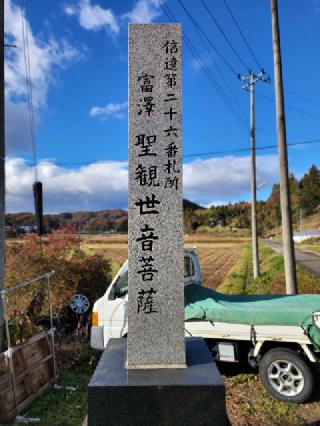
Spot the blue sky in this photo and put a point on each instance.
(78, 61)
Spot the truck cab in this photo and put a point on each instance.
(110, 312)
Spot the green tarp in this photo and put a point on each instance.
(205, 304)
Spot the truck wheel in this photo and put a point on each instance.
(286, 375)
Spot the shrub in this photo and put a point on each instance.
(75, 272)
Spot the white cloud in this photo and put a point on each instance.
(114, 110)
(93, 187)
(69, 10)
(94, 17)
(225, 178)
(105, 185)
(45, 56)
(144, 11)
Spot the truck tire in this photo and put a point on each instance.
(286, 375)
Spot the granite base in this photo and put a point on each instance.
(191, 396)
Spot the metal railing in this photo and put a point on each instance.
(9, 352)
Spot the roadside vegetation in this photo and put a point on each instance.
(311, 244)
(64, 407)
(271, 280)
(227, 266)
(75, 271)
(248, 403)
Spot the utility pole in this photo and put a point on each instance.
(252, 79)
(287, 233)
(301, 220)
(2, 167)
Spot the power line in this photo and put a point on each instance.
(26, 53)
(289, 106)
(224, 35)
(242, 34)
(291, 92)
(204, 67)
(255, 58)
(194, 154)
(260, 148)
(208, 39)
(246, 123)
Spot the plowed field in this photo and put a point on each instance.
(216, 263)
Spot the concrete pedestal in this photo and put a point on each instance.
(191, 396)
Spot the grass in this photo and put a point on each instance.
(223, 231)
(236, 281)
(247, 401)
(61, 407)
(115, 266)
(310, 247)
(214, 239)
(271, 280)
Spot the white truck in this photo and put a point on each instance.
(286, 357)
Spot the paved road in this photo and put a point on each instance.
(309, 261)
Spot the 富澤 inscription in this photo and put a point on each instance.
(156, 288)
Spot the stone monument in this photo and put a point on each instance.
(155, 376)
(156, 300)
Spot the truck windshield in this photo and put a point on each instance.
(188, 267)
(121, 285)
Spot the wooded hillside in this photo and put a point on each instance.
(305, 199)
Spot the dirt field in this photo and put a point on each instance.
(216, 263)
(217, 255)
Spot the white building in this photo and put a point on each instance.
(298, 237)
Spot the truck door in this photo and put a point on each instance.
(116, 315)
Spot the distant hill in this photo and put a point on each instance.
(305, 203)
(111, 220)
(189, 205)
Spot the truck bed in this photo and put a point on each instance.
(253, 333)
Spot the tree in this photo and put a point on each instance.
(75, 272)
(310, 190)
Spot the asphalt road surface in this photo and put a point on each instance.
(309, 261)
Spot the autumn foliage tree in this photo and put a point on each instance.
(74, 272)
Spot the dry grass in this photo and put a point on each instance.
(196, 239)
(249, 404)
(116, 254)
(217, 255)
(96, 242)
(104, 239)
(216, 264)
(312, 221)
